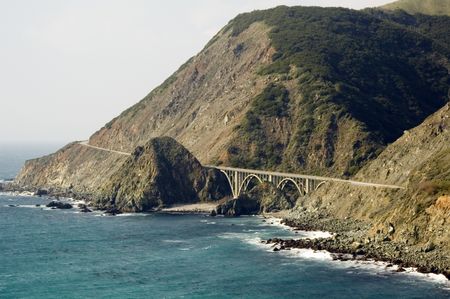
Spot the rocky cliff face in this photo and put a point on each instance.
(159, 174)
(74, 167)
(417, 216)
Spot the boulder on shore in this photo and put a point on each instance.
(84, 208)
(264, 198)
(41, 192)
(113, 211)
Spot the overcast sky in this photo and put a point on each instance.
(68, 67)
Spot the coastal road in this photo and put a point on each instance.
(252, 171)
(86, 143)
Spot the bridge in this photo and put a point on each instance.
(240, 178)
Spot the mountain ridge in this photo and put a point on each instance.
(429, 7)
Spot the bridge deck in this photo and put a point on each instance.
(310, 177)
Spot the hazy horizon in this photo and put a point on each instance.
(69, 67)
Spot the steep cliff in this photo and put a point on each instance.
(417, 216)
(316, 90)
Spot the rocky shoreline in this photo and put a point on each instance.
(60, 198)
(351, 241)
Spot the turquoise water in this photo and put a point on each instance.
(64, 254)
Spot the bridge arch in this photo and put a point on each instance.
(299, 186)
(246, 181)
(230, 182)
(319, 185)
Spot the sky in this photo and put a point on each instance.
(68, 67)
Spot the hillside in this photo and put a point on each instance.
(160, 173)
(428, 7)
(315, 90)
(416, 217)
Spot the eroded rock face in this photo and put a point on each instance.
(417, 215)
(263, 198)
(160, 173)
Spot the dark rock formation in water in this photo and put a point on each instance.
(261, 199)
(161, 173)
(41, 192)
(84, 208)
(59, 205)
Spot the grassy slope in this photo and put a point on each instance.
(333, 67)
(429, 7)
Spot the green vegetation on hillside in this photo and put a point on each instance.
(368, 68)
(271, 103)
(429, 7)
(435, 27)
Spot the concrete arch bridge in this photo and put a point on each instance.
(240, 179)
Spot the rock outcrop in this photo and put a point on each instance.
(56, 204)
(159, 174)
(264, 198)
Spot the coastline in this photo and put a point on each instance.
(312, 247)
(348, 242)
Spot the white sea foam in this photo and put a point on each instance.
(17, 193)
(308, 254)
(315, 234)
(249, 239)
(272, 221)
(132, 215)
(25, 206)
(174, 241)
(31, 206)
(374, 267)
(381, 268)
(275, 222)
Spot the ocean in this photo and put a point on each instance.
(14, 155)
(48, 253)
